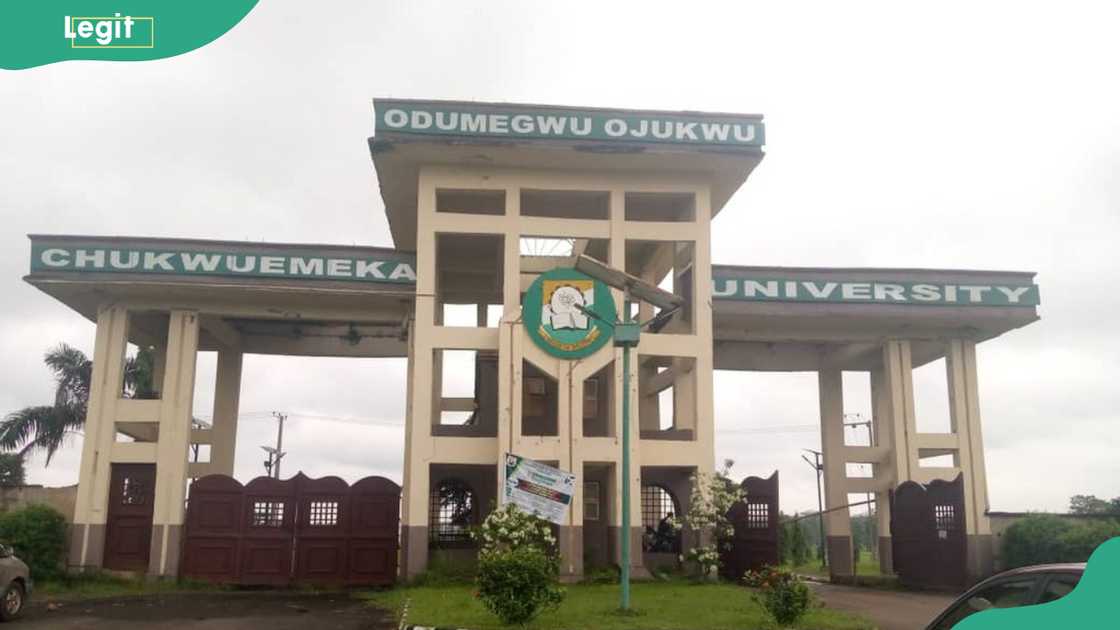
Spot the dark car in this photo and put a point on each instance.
(1025, 586)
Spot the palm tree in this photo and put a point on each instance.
(46, 427)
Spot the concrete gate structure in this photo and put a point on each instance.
(481, 199)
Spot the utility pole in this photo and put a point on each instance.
(818, 467)
(279, 443)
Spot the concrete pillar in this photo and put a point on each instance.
(227, 396)
(837, 523)
(174, 442)
(87, 539)
(881, 431)
(414, 500)
(964, 410)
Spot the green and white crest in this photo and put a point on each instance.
(554, 319)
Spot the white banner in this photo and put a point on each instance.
(539, 489)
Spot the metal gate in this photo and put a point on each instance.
(297, 531)
(128, 530)
(928, 542)
(755, 519)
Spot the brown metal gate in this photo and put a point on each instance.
(297, 531)
(928, 541)
(755, 519)
(128, 530)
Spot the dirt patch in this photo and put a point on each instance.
(215, 611)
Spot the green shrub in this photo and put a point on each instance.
(518, 584)
(781, 593)
(38, 535)
(1044, 538)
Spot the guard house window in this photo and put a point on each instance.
(322, 514)
(945, 517)
(268, 513)
(659, 510)
(758, 515)
(451, 514)
(591, 500)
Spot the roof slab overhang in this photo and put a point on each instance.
(761, 321)
(303, 316)
(398, 154)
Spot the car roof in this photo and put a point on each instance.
(1068, 567)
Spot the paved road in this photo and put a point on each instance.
(216, 611)
(890, 610)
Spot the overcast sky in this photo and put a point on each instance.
(899, 135)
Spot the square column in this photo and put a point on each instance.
(174, 441)
(964, 410)
(837, 523)
(227, 397)
(87, 535)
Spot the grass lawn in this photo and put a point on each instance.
(656, 605)
(867, 566)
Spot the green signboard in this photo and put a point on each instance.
(554, 319)
(875, 292)
(484, 120)
(240, 261)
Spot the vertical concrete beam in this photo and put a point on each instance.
(227, 396)
(898, 407)
(964, 407)
(87, 539)
(883, 436)
(837, 522)
(174, 442)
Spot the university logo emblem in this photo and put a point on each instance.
(554, 316)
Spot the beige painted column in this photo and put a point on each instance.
(884, 437)
(837, 523)
(227, 397)
(174, 442)
(964, 410)
(87, 535)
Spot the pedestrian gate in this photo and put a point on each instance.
(297, 531)
(755, 519)
(928, 542)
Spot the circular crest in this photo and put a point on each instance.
(554, 315)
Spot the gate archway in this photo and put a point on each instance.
(296, 531)
(928, 541)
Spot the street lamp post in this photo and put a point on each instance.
(627, 333)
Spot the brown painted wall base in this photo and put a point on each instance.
(840, 558)
(637, 568)
(414, 551)
(980, 559)
(570, 541)
(886, 559)
(96, 546)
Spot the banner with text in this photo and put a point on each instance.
(539, 489)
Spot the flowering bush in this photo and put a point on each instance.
(518, 584)
(508, 527)
(781, 593)
(713, 494)
(517, 565)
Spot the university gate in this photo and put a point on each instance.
(928, 538)
(754, 543)
(296, 531)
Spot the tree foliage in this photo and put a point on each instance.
(47, 427)
(518, 584)
(1090, 504)
(1045, 538)
(11, 470)
(713, 495)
